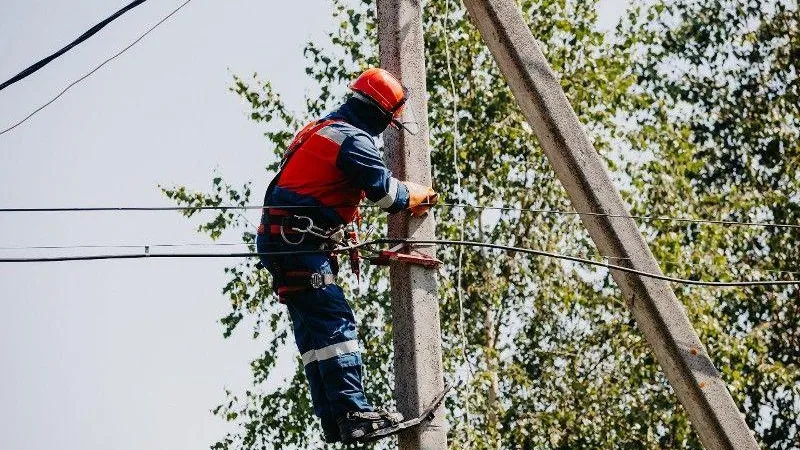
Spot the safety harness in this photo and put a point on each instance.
(294, 228)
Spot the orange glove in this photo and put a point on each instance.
(421, 198)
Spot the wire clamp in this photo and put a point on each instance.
(403, 253)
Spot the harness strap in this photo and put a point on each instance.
(307, 279)
(302, 280)
(298, 141)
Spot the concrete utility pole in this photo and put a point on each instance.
(657, 311)
(415, 309)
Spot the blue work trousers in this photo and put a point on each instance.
(325, 334)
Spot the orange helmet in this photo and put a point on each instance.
(379, 87)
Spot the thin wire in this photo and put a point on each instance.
(33, 68)
(90, 246)
(462, 225)
(115, 56)
(369, 205)
(628, 216)
(237, 244)
(171, 208)
(658, 276)
(147, 254)
(692, 264)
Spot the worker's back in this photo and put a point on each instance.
(312, 176)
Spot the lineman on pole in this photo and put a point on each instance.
(330, 166)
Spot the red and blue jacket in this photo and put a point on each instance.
(336, 164)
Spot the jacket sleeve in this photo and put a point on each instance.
(359, 159)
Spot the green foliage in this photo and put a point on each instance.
(694, 107)
(725, 145)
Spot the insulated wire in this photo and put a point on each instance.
(147, 254)
(410, 241)
(243, 244)
(440, 204)
(581, 260)
(692, 264)
(89, 33)
(115, 56)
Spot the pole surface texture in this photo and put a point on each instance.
(658, 313)
(415, 308)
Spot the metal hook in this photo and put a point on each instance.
(302, 233)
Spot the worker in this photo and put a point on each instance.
(330, 166)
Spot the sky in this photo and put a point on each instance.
(129, 354)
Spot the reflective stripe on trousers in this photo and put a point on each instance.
(325, 333)
(331, 351)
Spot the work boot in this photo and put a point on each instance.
(357, 424)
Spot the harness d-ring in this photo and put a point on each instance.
(302, 232)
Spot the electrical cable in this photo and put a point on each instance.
(369, 205)
(580, 260)
(87, 75)
(157, 208)
(38, 65)
(147, 254)
(91, 246)
(242, 244)
(630, 216)
(409, 241)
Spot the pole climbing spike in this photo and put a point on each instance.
(426, 416)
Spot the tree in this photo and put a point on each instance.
(724, 77)
(551, 355)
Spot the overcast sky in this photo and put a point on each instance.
(129, 354)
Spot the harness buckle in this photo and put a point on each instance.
(337, 236)
(316, 280)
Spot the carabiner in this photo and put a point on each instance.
(300, 230)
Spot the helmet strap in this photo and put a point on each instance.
(389, 115)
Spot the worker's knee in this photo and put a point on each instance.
(336, 364)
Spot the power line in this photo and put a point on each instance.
(242, 244)
(38, 65)
(640, 217)
(450, 205)
(166, 255)
(375, 242)
(91, 246)
(115, 56)
(592, 262)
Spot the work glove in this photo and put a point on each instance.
(420, 198)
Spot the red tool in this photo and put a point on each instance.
(410, 257)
